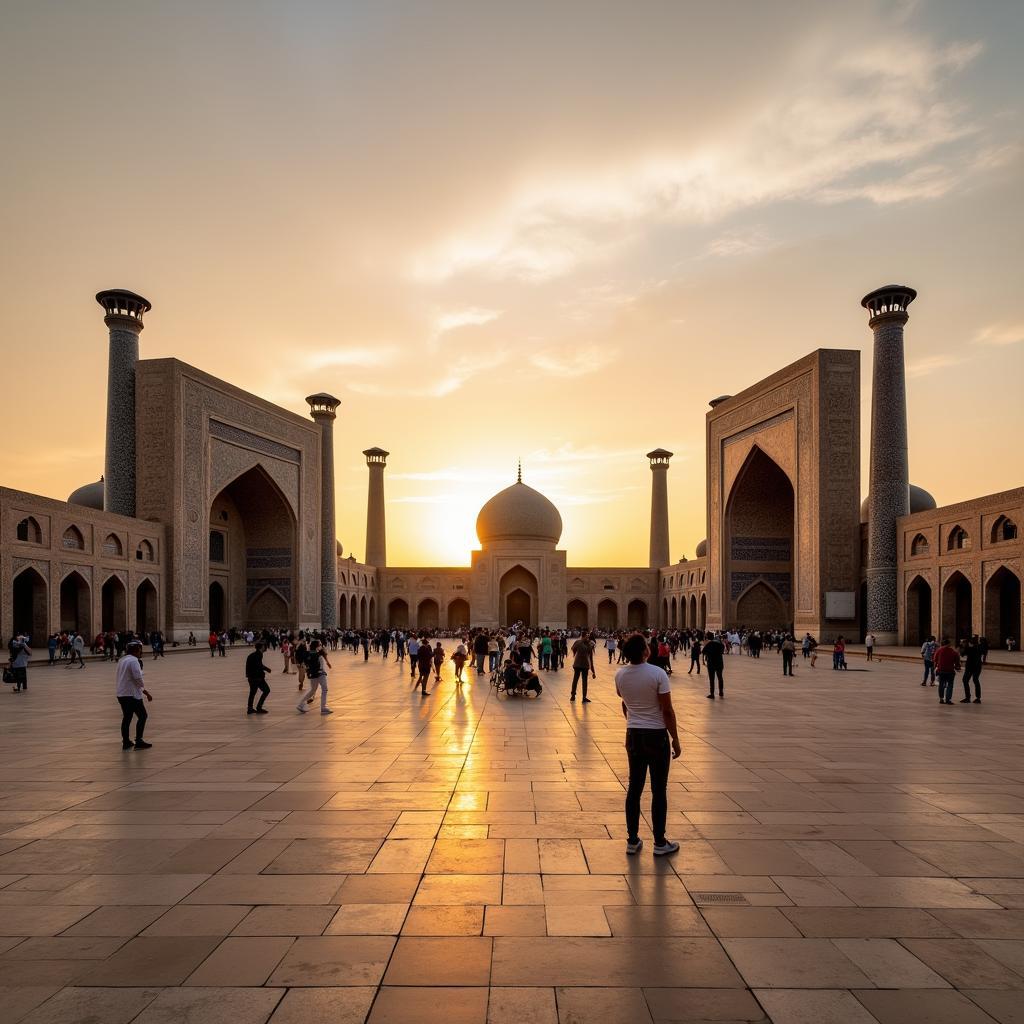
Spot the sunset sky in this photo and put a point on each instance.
(547, 230)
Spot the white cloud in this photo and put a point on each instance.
(472, 317)
(576, 363)
(355, 356)
(931, 364)
(739, 243)
(1000, 334)
(433, 382)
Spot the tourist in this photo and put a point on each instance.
(256, 674)
(869, 646)
(928, 649)
(480, 648)
(973, 660)
(51, 647)
(582, 665)
(191, 639)
(611, 645)
(130, 691)
(316, 671)
(20, 653)
(299, 654)
(286, 655)
(438, 655)
(77, 650)
(983, 647)
(423, 662)
(788, 651)
(646, 695)
(414, 651)
(212, 641)
(695, 649)
(714, 658)
(839, 654)
(947, 664)
(459, 660)
(366, 646)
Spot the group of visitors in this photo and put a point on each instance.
(943, 660)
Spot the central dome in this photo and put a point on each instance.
(519, 513)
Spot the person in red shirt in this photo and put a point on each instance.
(947, 664)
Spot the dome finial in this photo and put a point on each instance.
(519, 473)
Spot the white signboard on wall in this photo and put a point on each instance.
(840, 604)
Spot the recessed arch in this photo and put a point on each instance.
(353, 613)
(144, 551)
(918, 611)
(364, 617)
(113, 605)
(217, 602)
(458, 614)
(761, 606)
(427, 614)
(703, 620)
(958, 540)
(607, 615)
(73, 540)
(919, 546)
(673, 613)
(636, 614)
(371, 610)
(518, 596)
(1003, 529)
(267, 609)
(146, 609)
(398, 613)
(576, 614)
(1002, 607)
(30, 604)
(76, 604)
(29, 531)
(343, 612)
(957, 607)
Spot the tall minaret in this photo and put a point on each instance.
(322, 408)
(376, 533)
(659, 507)
(124, 311)
(889, 486)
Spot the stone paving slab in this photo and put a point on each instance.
(851, 851)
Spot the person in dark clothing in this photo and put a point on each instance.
(714, 658)
(256, 673)
(974, 658)
(695, 649)
(424, 663)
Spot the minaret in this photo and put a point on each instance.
(124, 311)
(659, 507)
(889, 486)
(322, 408)
(376, 533)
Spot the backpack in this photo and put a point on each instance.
(313, 664)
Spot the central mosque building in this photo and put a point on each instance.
(217, 509)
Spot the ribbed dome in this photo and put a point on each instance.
(920, 501)
(702, 549)
(89, 495)
(519, 513)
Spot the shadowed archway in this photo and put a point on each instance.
(75, 604)
(957, 610)
(576, 615)
(398, 613)
(1002, 607)
(30, 605)
(918, 611)
(458, 614)
(113, 606)
(518, 592)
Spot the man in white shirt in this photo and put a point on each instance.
(610, 646)
(130, 691)
(646, 695)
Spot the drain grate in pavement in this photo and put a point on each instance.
(711, 899)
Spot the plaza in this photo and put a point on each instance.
(850, 851)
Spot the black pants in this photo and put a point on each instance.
(715, 670)
(647, 750)
(20, 678)
(975, 674)
(132, 706)
(258, 686)
(695, 660)
(577, 674)
(787, 663)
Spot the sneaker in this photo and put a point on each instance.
(262, 711)
(127, 746)
(251, 711)
(666, 847)
(977, 700)
(141, 745)
(301, 710)
(966, 700)
(586, 700)
(634, 846)
(326, 711)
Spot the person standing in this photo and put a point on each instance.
(928, 649)
(20, 653)
(212, 641)
(424, 660)
(256, 675)
(695, 649)
(788, 651)
(611, 644)
(286, 654)
(714, 658)
(480, 651)
(130, 691)
(646, 695)
(947, 664)
(299, 655)
(77, 651)
(974, 658)
(869, 646)
(582, 665)
(438, 655)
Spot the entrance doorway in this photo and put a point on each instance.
(518, 592)
(918, 612)
(113, 606)
(1002, 607)
(29, 609)
(216, 607)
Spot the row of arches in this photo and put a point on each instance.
(685, 612)
(958, 539)
(75, 609)
(357, 612)
(428, 614)
(29, 531)
(1000, 609)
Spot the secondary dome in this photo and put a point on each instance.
(702, 549)
(519, 513)
(920, 501)
(89, 495)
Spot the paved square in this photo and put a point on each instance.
(851, 851)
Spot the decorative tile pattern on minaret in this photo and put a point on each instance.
(889, 486)
(123, 318)
(322, 408)
(659, 553)
(376, 532)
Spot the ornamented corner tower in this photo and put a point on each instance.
(889, 480)
(659, 554)
(322, 408)
(376, 531)
(123, 318)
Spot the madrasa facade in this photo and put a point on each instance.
(216, 508)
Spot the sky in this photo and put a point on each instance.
(499, 231)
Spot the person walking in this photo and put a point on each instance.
(974, 658)
(423, 663)
(582, 665)
(77, 651)
(947, 664)
(438, 656)
(256, 675)
(414, 651)
(652, 741)
(714, 658)
(300, 652)
(316, 671)
(695, 649)
(286, 654)
(611, 645)
(928, 649)
(788, 651)
(130, 691)
(459, 660)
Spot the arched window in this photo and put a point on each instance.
(217, 546)
(29, 531)
(958, 539)
(73, 539)
(112, 546)
(1003, 528)
(144, 552)
(919, 545)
